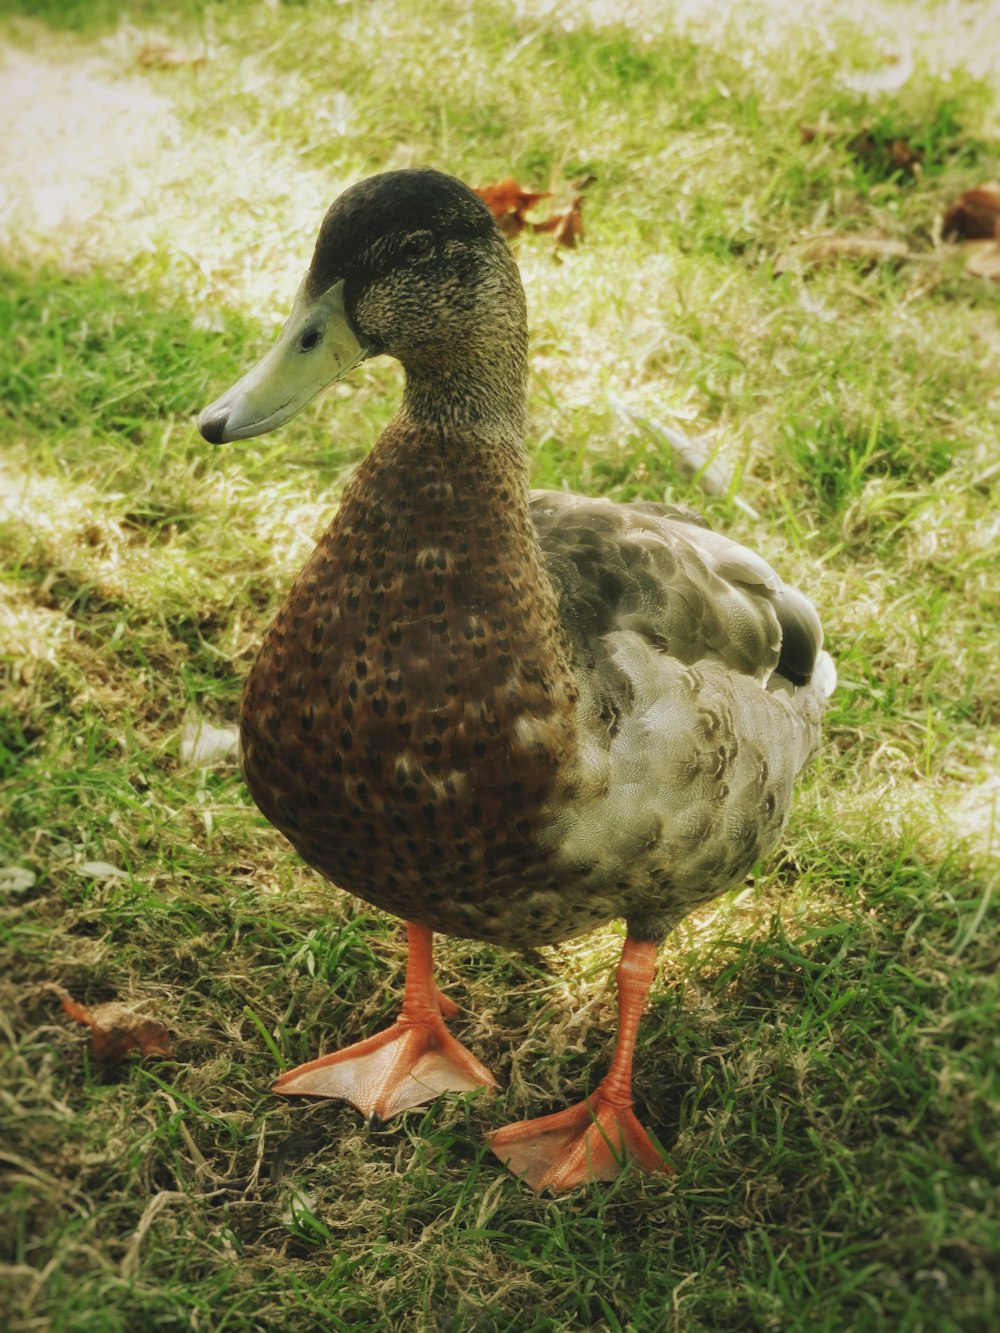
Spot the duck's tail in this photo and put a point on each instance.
(808, 701)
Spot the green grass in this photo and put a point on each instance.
(820, 1054)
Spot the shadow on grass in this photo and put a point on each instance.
(818, 1141)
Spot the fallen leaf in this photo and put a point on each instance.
(695, 458)
(509, 197)
(116, 1030)
(975, 215)
(567, 227)
(856, 247)
(508, 203)
(829, 249)
(887, 154)
(982, 259)
(158, 55)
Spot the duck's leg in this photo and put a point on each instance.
(408, 1064)
(593, 1140)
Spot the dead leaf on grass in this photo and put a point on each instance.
(116, 1030)
(16, 879)
(974, 221)
(829, 249)
(566, 227)
(694, 457)
(508, 202)
(975, 215)
(100, 870)
(203, 743)
(982, 259)
(865, 146)
(886, 154)
(160, 55)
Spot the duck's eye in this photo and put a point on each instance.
(417, 244)
(310, 339)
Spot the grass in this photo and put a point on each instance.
(820, 1054)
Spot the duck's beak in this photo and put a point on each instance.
(317, 346)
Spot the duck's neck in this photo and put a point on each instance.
(443, 496)
(474, 380)
(482, 393)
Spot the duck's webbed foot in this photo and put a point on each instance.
(592, 1141)
(408, 1064)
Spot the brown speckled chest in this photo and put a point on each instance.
(410, 714)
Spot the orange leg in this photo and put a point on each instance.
(593, 1140)
(408, 1064)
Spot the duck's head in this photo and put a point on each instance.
(407, 263)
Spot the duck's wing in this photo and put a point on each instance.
(701, 686)
(660, 571)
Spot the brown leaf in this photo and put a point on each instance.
(828, 249)
(855, 247)
(115, 1030)
(982, 259)
(894, 154)
(975, 215)
(508, 203)
(158, 55)
(509, 197)
(887, 154)
(511, 224)
(567, 227)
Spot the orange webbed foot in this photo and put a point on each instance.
(588, 1142)
(449, 1009)
(408, 1064)
(594, 1140)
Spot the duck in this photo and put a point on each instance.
(502, 714)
